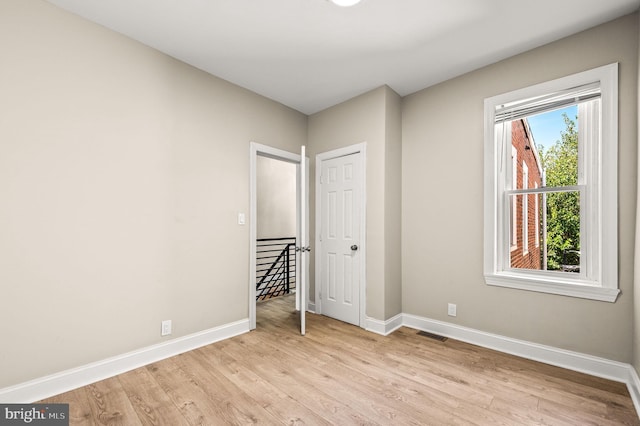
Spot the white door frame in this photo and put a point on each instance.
(256, 150)
(360, 148)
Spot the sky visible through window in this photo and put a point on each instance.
(546, 127)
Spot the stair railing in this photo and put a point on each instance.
(275, 267)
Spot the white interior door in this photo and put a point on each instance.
(341, 188)
(303, 247)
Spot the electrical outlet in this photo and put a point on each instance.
(166, 328)
(452, 310)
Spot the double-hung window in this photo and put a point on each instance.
(550, 210)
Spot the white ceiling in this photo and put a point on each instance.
(311, 54)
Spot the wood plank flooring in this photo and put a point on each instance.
(339, 374)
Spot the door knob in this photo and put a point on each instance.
(354, 247)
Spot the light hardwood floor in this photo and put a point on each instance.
(339, 374)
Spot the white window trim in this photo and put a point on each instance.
(601, 285)
(525, 210)
(536, 212)
(514, 200)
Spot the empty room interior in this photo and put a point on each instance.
(136, 140)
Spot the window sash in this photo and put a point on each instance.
(525, 210)
(546, 189)
(584, 274)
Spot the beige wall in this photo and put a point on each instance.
(636, 289)
(393, 205)
(276, 198)
(372, 118)
(442, 201)
(122, 172)
(358, 120)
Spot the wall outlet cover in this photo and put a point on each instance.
(452, 310)
(166, 328)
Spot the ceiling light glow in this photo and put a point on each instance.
(345, 3)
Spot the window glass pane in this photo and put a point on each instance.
(554, 137)
(551, 222)
(525, 254)
(563, 231)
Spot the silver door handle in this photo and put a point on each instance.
(354, 247)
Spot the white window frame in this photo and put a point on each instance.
(525, 210)
(599, 234)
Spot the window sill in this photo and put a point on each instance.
(578, 289)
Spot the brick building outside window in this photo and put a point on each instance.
(526, 231)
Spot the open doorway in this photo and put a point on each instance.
(278, 262)
(276, 228)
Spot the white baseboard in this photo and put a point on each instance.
(65, 381)
(576, 361)
(383, 327)
(311, 307)
(634, 388)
